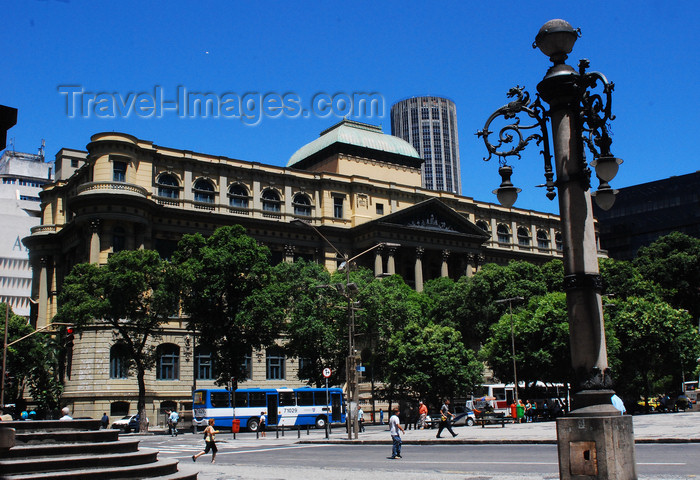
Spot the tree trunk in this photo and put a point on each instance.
(141, 403)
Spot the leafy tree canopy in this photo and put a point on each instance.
(219, 277)
(673, 261)
(134, 294)
(431, 362)
(657, 344)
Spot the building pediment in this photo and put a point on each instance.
(431, 216)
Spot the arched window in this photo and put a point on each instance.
(118, 361)
(238, 196)
(483, 224)
(302, 205)
(203, 363)
(167, 362)
(523, 236)
(503, 233)
(271, 201)
(203, 191)
(275, 363)
(542, 239)
(118, 239)
(558, 241)
(168, 186)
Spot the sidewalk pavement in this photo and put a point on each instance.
(654, 428)
(682, 427)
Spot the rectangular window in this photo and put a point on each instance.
(257, 399)
(219, 400)
(338, 207)
(241, 399)
(287, 399)
(380, 209)
(305, 398)
(119, 171)
(275, 367)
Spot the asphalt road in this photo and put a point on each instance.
(251, 458)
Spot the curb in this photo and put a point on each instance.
(483, 442)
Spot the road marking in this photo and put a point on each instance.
(231, 452)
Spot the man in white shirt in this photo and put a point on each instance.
(172, 420)
(394, 428)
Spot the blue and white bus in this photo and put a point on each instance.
(282, 406)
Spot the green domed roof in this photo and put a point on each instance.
(358, 135)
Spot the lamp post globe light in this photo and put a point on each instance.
(595, 441)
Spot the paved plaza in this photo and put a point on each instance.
(655, 428)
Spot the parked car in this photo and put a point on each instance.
(128, 423)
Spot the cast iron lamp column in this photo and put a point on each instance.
(595, 442)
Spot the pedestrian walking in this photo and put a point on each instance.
(173, 418)
(394, 429)
(104, 421)
(361, 419)
(261, 426)
(423, 415)
(209, 442)
(381, 417)
(66, 414)
(446, 419)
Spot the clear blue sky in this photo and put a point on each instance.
(471, 52)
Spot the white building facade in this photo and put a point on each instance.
(22, 176)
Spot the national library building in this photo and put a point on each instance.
(356, 185)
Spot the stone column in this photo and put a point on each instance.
(42, 314)
(378, 262)
(419, 268)
(390, 265)
(444, 271)
(470, 268)
(289, 253)
(95, 241)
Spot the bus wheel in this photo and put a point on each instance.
(321, 422)
(253, 424)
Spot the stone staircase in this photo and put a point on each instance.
(77, 449)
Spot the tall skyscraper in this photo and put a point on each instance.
(430, 125)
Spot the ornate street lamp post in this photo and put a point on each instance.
(595, 441)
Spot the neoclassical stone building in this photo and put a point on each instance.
(358, 186)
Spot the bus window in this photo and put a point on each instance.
(287, 399)
(199, 397)
(305, 398)
(321, 398)
(257, 399)
(241, 399)
(219, 400)
(499, 393)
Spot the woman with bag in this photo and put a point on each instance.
(209, 442)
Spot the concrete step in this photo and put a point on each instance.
(47, 450)
(65, 436)
(161, 469)
(52, 425)
(73, 462)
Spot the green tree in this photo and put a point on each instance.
(133, 294)
(621, 279)
(673, 262)
(430, 362)
(314, 314)
(219, 277)
(472, 305)
(541, 334)
(657, 345)
(386, 306)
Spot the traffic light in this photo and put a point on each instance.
(69, 337)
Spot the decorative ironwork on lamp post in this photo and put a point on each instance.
(592, 441)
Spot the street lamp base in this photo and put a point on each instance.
(596, 442)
